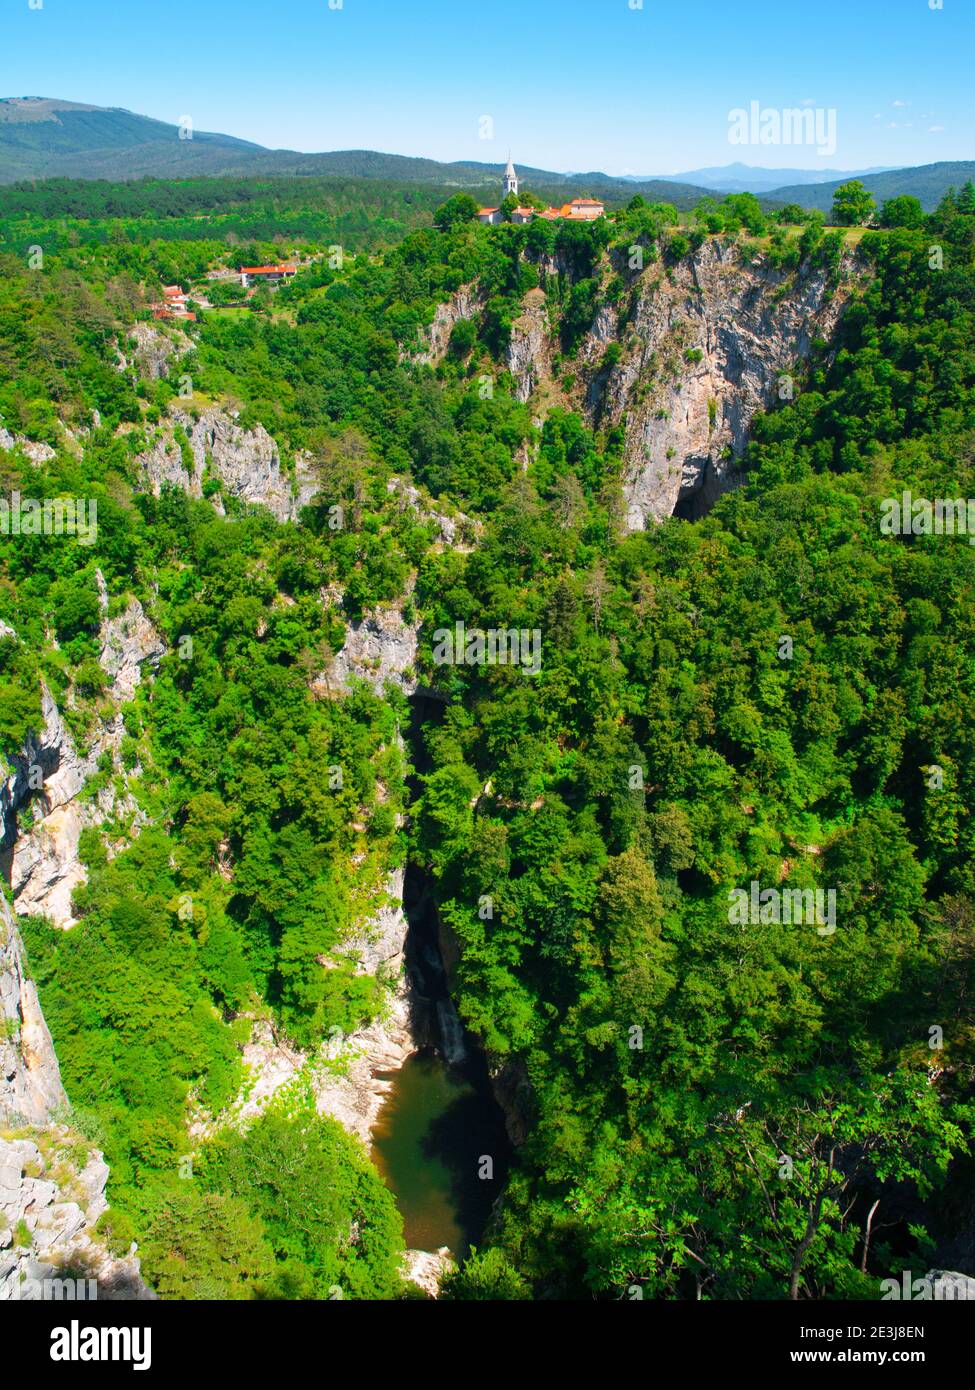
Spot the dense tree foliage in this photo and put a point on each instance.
(776, 693)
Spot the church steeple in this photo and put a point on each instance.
(510, 179)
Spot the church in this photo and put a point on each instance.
(578, 210)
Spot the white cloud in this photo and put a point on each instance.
(933, 129)
(900, 103)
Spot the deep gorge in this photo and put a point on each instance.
(440, 1141)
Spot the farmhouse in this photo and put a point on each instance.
(267, 274)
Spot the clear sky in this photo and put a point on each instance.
(574, 85)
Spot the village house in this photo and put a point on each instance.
(267, 274)
(173, 305)
(578, 210)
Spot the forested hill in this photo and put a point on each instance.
(928, 183)
(45, 138)
(769, 695)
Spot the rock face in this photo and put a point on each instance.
(36, 452)
(355, 1097)
(529, 351)
(247, 463)
(153, 351)
(30, 1080)
(48, 764)
(50, 1204)
(381, 648)
(713, 343)
(466, 303)
(703, 346)
(43, 865)
(129, 643)
(347, 1074)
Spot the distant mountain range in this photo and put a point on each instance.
(746, 178)
(42, 137)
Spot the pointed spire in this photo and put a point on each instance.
(510, 181)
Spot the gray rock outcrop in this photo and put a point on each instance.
(529, 351)
(30, 448)
(702, 347)
(380, 648)
(247, 463)
(466, 303)
(43, 864)
(713, 342)
(152, 351)
(50, 1205)
(30, 1079)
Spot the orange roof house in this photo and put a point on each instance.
(268, 274)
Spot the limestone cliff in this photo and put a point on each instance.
(30, 1081)
(466, 303)
(52, 1183)
(245, 463)
(151, 352)
(701, 346)
(42, 864)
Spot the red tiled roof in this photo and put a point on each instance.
(281, 269)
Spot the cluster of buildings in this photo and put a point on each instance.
(578, 210)
(173, 305)
(174, 301)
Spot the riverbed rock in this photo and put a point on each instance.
(428, 1269)
(950, 1285)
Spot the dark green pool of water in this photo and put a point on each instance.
(437, 1126)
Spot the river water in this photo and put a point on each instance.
(441, 1147)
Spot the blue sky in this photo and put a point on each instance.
(568, 84)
